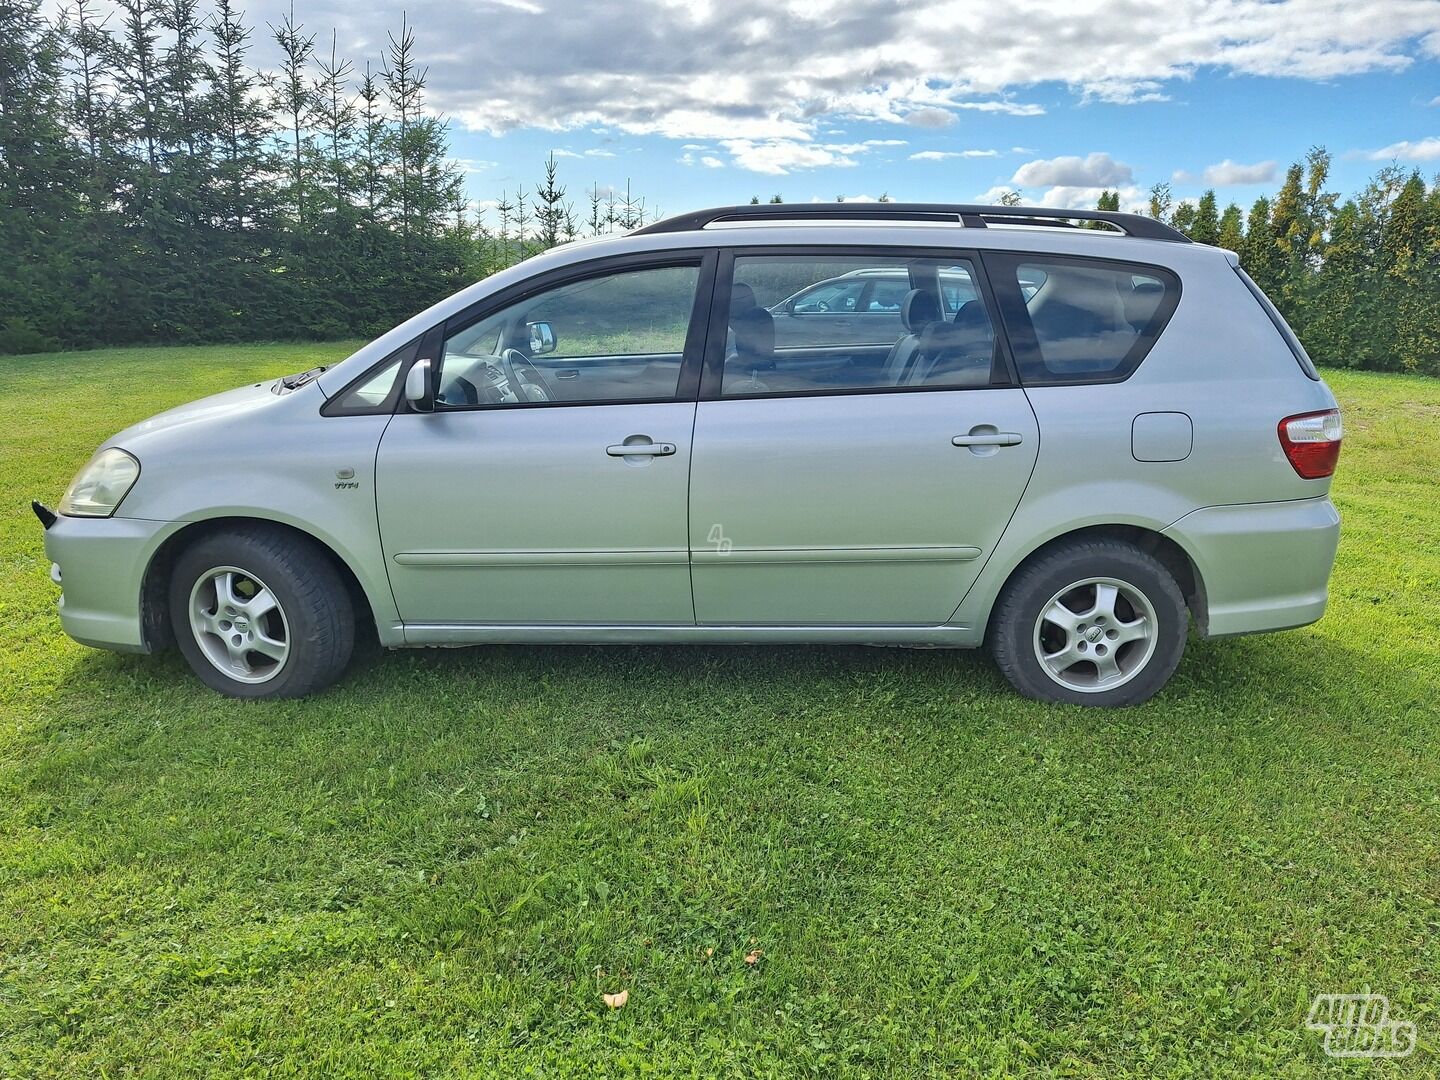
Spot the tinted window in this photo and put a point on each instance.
(1296, 349)
(834, 298)
(376, 392)
(1091, 321)
(887, 295)
(614, 337)
(920, 325)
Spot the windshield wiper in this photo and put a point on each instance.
(290, 382)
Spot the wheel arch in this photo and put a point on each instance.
(1176, 560)
(154, 607)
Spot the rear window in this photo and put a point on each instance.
(1088, 320)
(1296, 349)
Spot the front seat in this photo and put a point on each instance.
(918, 311)
(753, 330)
(958, 353)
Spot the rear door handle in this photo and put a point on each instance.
(645, 449)
(999, 438)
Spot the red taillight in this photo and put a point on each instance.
(1312, 442)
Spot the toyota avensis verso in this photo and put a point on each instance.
(1111, 432)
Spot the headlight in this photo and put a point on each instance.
(98, 488)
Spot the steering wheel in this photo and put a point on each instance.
(508, 359)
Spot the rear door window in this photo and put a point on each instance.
(921, 325)
(1082, 320)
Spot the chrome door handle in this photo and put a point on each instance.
(1000, 438)
(645, 449)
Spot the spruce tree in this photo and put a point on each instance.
(550, 206)
(37, 163)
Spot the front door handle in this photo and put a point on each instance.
(641, 449)
(999, 438)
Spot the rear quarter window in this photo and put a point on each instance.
(1074, 320)
(1296, 349)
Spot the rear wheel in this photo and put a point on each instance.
(1096, 622)
(261, 613)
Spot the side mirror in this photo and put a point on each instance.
(417, 387)
(542, 338)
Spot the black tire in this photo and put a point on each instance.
(314, 616)
(1015, 625)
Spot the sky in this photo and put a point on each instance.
(708, 102)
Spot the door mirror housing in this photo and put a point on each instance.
(542, 338)
(417, 386)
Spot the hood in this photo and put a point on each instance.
(214, 411)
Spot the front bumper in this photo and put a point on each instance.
(100, 565)
(1265, 566)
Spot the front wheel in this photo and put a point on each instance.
(261, 613)
(1096, 622)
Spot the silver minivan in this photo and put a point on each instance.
(1070, 443)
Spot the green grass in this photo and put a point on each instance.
(439, 867)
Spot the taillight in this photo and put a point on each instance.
(1312, 442)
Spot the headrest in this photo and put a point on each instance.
(742, 298)
(918, 310)
(972, 316)
(754, 334)
(1141, 302)
(969, 334)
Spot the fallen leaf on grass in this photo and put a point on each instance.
(617, 1001)
(753, 956)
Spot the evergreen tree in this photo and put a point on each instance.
(597, 218)
(1259, 255)
(1408, 280)
(550, 206)
(1232, 229)
(294, 100)
(1205, 229)
(1339, 332)
(36, 162)
(1109, 200)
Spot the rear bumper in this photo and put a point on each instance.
(1265, 566)
(100, 566)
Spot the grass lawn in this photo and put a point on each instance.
(814, 861)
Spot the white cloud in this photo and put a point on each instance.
(806, 71)
(1096, 170)
(1435, 102)
(948, 155)
(597, 152)
(712, 162)
(930, 118)
(779, 156)
(1427, 149)
(1070, 197)
(992, 196)
(1230, 173)
(564, 153)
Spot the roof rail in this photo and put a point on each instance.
(971, 216)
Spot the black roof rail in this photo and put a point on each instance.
(971, 216)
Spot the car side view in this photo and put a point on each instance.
(994, 428)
